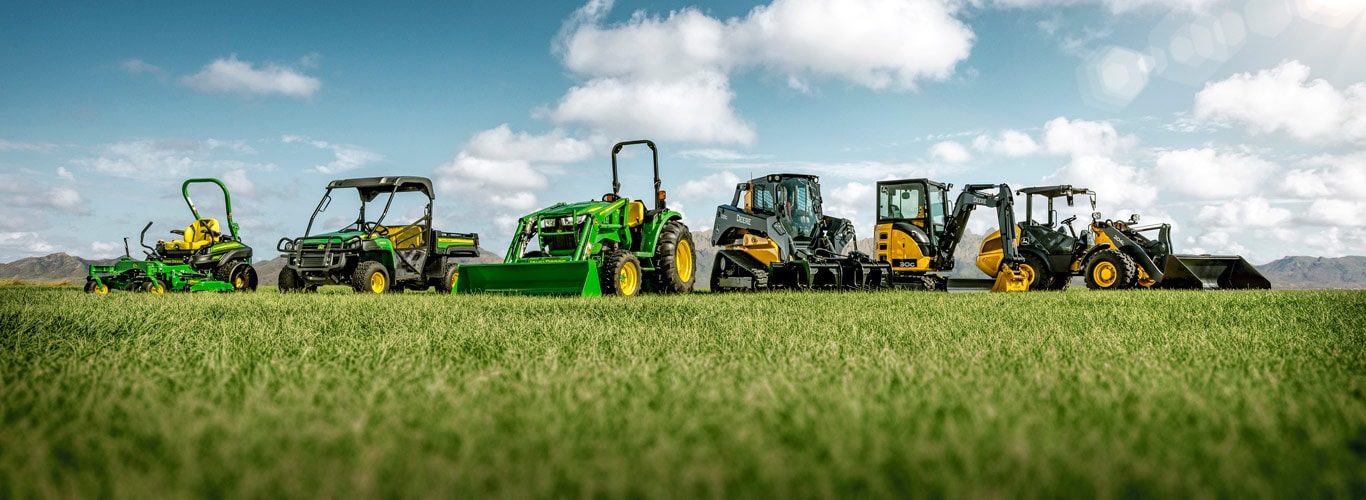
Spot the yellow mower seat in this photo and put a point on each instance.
(200, 234)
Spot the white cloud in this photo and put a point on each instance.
(1119, 186)
(678, 46)
(1331, 212)
(1011, 143)
(237, 182)
(1336, 242)
(950, 152)
(1115, 6)
(504, 169)
(853, 201)
(1331, 176)
(63, 173)
(25, 243)
(158, 159)
(1249, 212)
(718, 155)
(691, 109)
(710, 188)
(105, 249)
(1284, 99)
(243, 77)
(138, 66)
(500, 143)
(1084, 138)
(1205, 173)
(36, 147)
(345, 157)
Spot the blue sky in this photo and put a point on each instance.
(1241, 122)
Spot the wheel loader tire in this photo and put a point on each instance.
(1061, 281)
(1110, 269)
(449, 276)
(289, 281)
(1039, 277)
(676, 263)
(621, 274)
(370, 277)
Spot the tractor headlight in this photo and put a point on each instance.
(580, 219)
(547, 223)
(566, 221)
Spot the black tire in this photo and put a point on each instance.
(154, 287)
(370, 277)
(240, 274)
(621, 274)
(1110, 269)
(675, 261)
(1061, 281)
(289, 281)
(717, 266)
(449, 277)
(1042, 279)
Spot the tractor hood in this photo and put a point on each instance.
(591, 207)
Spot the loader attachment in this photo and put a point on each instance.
(1010, 280)
(531, 278)
(1211, 272)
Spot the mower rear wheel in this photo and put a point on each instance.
(240, 274)
(289, 281)
(621, 274)
(370, 277)
(677, 266)
(1110, 269)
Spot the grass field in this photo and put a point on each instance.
(1075, 394)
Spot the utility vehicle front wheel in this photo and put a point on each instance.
(370, 277)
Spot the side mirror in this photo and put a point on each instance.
(327, 201)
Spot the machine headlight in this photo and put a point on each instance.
(547, 223)
(1133, 218)
(566, 221)
(580, 219)
(1095, 216)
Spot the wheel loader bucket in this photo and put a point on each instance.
(1210, 272)
(531, 278)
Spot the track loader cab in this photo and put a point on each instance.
(611, 245)
(774, 234)
(376, 252)
(918, 230)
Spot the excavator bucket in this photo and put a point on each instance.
(1210, 272)
(532, 278)
(1008, 280)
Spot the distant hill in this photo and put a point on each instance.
(1316, 272)
(1289, 273)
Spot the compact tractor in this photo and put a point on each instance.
(1114, 254)
(774, 234)
(370, 256)
(202, 259)
(609, 246)
(918, 231)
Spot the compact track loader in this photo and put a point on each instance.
(1114, 254)
(774, 234)
(918, 230)
(609, 246)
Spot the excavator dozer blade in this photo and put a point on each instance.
(549, 278)
(1010, 281)
(1211, 272)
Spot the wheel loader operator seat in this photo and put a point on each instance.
(201, 233)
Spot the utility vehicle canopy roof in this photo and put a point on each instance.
(369, 187)
(1055, 191)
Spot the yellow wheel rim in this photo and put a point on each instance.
(629, 280)
(683, 259)
(239, 283)
(455, 277)
(1105, 274)
(1027, 271)
(102, 289)
(156, 289)
(377, 282)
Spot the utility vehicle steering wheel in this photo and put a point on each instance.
(374, 227)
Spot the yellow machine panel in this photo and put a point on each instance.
(900, 250)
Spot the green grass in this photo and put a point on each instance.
(1076, 394)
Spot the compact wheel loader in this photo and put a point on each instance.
(774, 234)
(370, 256)
(1114, 254)
(202, 259)
(610, 246)
(918, 231)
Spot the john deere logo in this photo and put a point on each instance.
(320, 247)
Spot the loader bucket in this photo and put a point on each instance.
(1210, 272)
(1008, 280)
(531, 278)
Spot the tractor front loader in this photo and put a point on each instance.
(774, 234)
(203, 259)
(609, 246)
(370, 256)
(918, 232)
(1114, 254)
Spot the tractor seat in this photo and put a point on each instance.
(635, 214)
(201, 233)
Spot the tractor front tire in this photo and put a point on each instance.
(370, 277)
(621, 274)
(676, 264)
(1110, 269)
(289, 281)
(449, 277)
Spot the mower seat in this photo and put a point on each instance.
(635, 214)
(201, 233)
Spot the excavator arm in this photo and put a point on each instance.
(975, 195)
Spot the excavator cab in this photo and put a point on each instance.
(910, 223)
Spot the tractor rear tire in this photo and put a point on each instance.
(1038, 270)
(289, 281)
(450, 275)
(675, 262)
(1110, 269)
(621, 274)
(370, 277)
